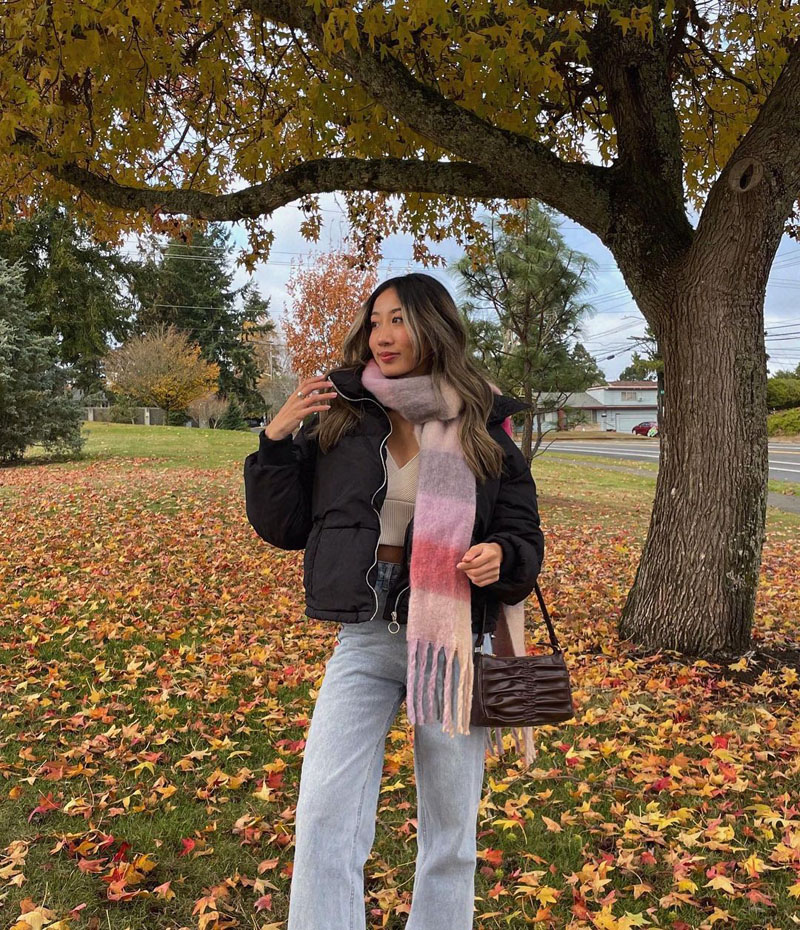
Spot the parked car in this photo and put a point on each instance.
(646, 428)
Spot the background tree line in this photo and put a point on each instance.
(170, 331)
(164, 330)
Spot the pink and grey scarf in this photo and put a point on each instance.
(439, 612)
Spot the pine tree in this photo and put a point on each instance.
(75, 284)
(644, 367)
(191, 288)
(232, 418)
(34, 405)
(529, 287)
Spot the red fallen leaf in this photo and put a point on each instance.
(757, 898)
(660, 784)
(45, 806)
(720, 742)
(680, 925)
(649, 859)
(408, 826)
(264, 903)
(266, 864)
(91, 865)
(497, 890)
(188, 846)
(580, 910)
(492, 856)
(116, 892)
(120, 853)
(115, 876)
(275, 779)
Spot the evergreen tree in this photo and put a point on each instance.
(644, 367)
(233, 417)
(528, 287)
(34, 405)
(75, 286)
(191, 288)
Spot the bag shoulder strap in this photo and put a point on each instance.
(550, 630)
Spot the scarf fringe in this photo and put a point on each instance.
(420, 698)
(524, 743)
(423, 672)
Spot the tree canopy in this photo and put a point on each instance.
(139, 111)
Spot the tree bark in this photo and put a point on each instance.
(695, 587)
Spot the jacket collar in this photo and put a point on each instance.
(348, 381)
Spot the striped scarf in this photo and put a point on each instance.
(439, 611)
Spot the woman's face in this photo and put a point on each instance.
(389, 339)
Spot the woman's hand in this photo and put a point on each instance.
(481, 563)
(303, 401)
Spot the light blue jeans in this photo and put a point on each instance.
(361, 693)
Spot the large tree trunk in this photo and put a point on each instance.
(695, 587)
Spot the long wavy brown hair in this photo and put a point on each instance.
(436, 329)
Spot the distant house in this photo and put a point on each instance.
(616, 406)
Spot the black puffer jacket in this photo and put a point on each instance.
(328, 504)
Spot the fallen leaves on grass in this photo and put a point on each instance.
(157, 680)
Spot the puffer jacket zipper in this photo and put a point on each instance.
(394, 612)
(372, 499)
(402, 590)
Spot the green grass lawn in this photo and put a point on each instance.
(778, 487)
(157, 675)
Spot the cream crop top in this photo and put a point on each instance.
(398, 507)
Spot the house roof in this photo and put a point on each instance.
(586, 401)
(627, 385)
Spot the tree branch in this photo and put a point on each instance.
(635, 75)
(577, 190)
(393, 175)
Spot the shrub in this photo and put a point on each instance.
(123, 411)
(783, 393)
(784, 423)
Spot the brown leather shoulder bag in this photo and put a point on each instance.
(521, 691)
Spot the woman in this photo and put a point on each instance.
(418, 518)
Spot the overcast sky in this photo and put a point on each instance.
(605, 333)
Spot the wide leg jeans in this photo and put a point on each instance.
(362, 690)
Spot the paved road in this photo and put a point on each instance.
(784, 457)
(790, 503)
